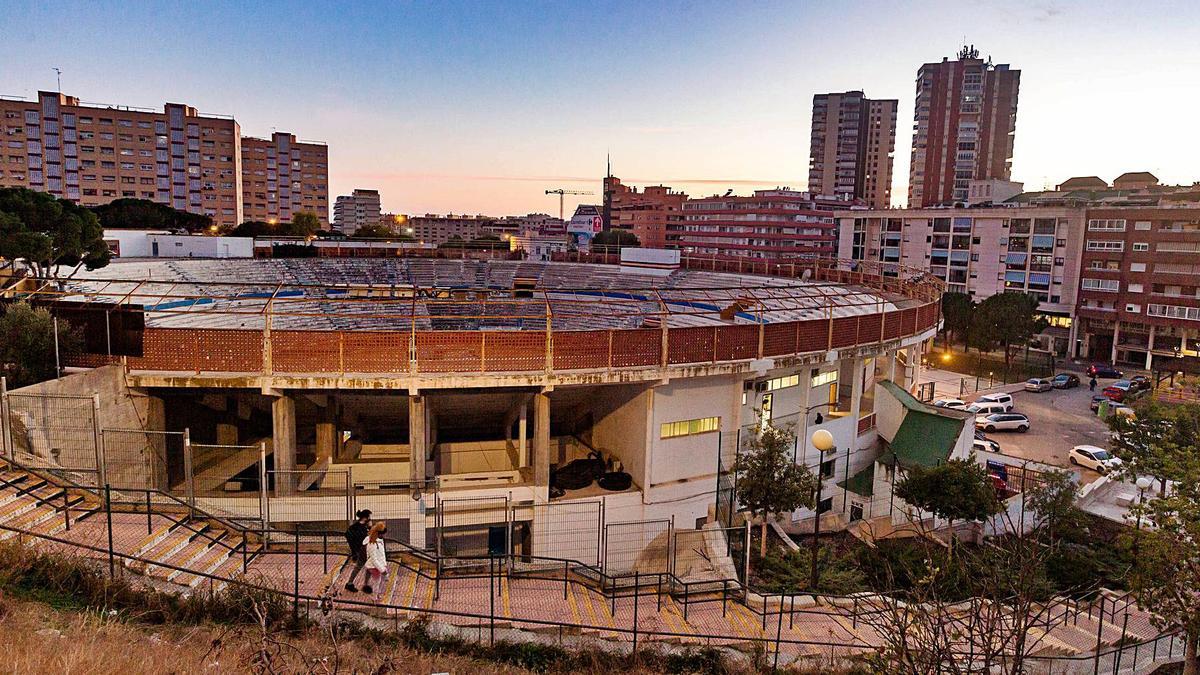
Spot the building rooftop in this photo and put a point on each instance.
(927, 435)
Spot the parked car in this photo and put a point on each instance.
(1103, 370)
(1097, 400)
(986, 408)
(985, 445)
(1119, 390)
(1003, 422)
(1038, 384)
(1065, 381)
(1141, 382)
(1004, 399)
(955, 403)
(1092, 457)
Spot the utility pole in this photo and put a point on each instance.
(58, 74)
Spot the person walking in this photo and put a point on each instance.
(355, 535)
(1092, 384)
(376, 560)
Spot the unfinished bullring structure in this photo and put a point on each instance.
(563, 409)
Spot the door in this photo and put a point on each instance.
(498, 540)
(856, 511)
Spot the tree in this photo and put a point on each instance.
(1157, 442)
(143, 214)
(1051, 502)
(958, 490)
(956, 315)
(612, 241)
(768, 480)
(27, 344)
(47, 232)
(1166, 578)
(1008, 319)
(304, 224)
(377, 231)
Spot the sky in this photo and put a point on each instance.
(478, 107)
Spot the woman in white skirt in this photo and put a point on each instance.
(376, 560)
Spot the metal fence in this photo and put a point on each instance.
(227, 480)
(311, 496)
(57, 432)
(571, 530)
(470, 527)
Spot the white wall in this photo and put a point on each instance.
(691, 457)
(140, 244)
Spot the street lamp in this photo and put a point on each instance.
(1143, 483)
(823, 441)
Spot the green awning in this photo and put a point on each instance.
(861, 483)
(927, 435)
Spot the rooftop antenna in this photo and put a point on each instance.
(58, 75)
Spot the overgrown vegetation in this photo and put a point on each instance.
(27, 344)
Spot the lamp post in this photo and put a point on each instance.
(1143, 483)
(823, 441)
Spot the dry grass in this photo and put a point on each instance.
(34, 638)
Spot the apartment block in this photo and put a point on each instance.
(1139, 293)
(359, 209)
(282, 176)
(768, 224)
(649, 213)
(852, 146)
(965, 121)
(434, 229)
(979, 251)
(93, 154)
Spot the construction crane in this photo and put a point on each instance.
(560, 192)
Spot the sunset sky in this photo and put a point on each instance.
(481, 107)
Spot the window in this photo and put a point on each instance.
(1133, 309)
(827, 468)
(1141, 246)
(1174, 312)
(1106, 285)
(1137, 267)
(782, 382)
(1106, 225)
(824, 378)
(702, 425)
(1105, 245)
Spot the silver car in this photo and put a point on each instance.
(1038, 384)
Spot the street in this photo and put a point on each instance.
(1059, 420)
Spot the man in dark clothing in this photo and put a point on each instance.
(1092, 385)
(355, 535)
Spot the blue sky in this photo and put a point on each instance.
(480, 107)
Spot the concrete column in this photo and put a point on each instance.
(522, 435)
(418, 437)
(283, 418)
(1116, 339)
(326, 441)
(541, 439)
(856, 390)
(227, 434)
(1149, 348)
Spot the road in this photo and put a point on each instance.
(1059, 420)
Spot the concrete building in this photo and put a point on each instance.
(511, 226)
(434, 229)
(356, 210)
(965, 122)
(992, 191)
(853, 141)
(980, 251)
(448, 409)
(93, 154)
(282, 176)
(162, 244)
(768, 224)
(649, 213)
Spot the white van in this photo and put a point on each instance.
(983, 408)
(1004, 399)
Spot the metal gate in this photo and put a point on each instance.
(138, 459)
(643, 545)
(566, 530)
(473, 527)
(227, 480)
(56, 432)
